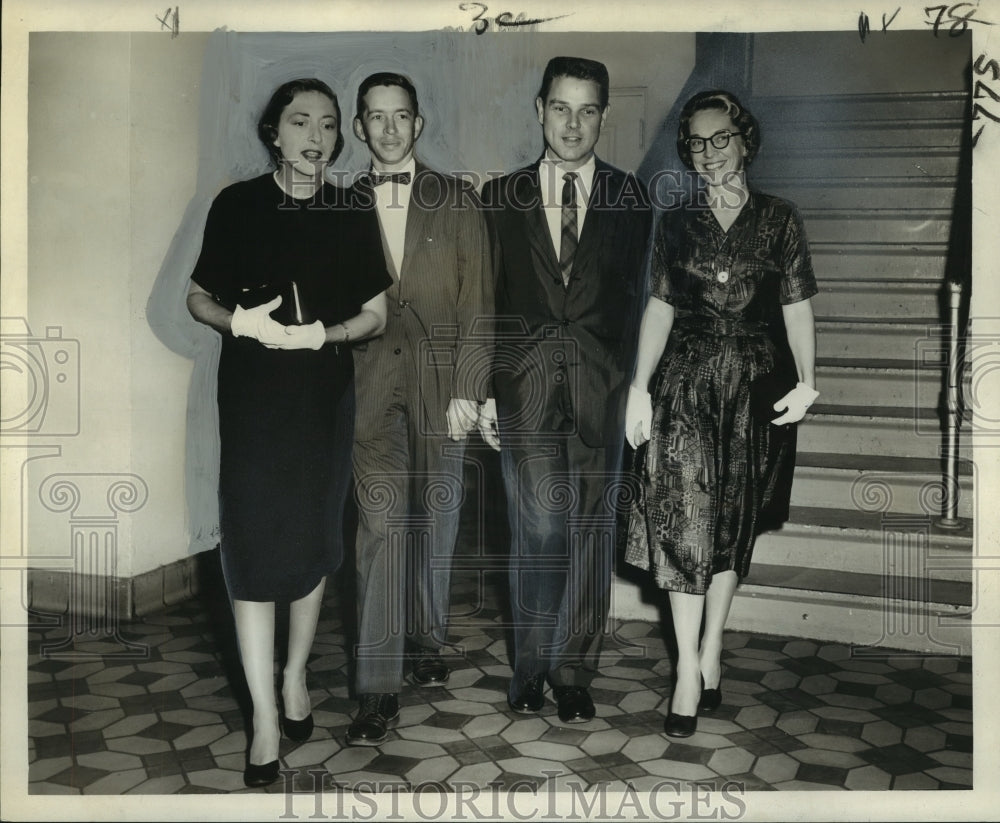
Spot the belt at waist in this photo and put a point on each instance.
(720, 326)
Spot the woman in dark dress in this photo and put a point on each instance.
(731, 286)
(289, 279)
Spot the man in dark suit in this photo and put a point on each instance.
(416, 403)
(569, 236)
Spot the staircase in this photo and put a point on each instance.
(863, 557)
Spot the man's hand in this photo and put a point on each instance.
(487, 424)
(462, 415)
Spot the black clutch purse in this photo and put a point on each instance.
(291, 312)
(768, 389)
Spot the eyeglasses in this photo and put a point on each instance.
(696, 145)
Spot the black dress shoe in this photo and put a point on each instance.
(575, 704)
(526, 694)
(298, 730)
(429, 669)
(711, 699)
(377, 714)
(255, 776)
(680, 725)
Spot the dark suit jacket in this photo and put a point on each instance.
(443, 289)
(582, 336)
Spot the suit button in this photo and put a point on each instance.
(397, 351)
(565, 322)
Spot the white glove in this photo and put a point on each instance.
(258, 324)
(795, 404)
(638, 417)
(487, 424)
(310, 336)
(462, 415)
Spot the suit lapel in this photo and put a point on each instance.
(593, 229)
(416, 218)
(528, 190)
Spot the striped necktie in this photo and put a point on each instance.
(567, 246)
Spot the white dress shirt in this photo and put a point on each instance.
(392, 202)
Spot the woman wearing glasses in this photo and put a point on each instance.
(729, 321)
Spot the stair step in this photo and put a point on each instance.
(869, 164)
(877, 225)
(942, 132)
(915, 465)
(877, 299)
(863, 193)
(873, 261)
(913, 340)
(880, 383)
(880, 108)
(924, 590)
(873, 625)
(841, 540)
(868, 522)
(865, 432)
(898, 485)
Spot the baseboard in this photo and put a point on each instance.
(59, 591)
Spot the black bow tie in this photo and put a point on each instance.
(377, 179)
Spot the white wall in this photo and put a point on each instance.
(112, 162)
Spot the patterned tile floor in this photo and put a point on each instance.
(796, 714)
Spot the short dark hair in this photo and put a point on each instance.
(724, 101)
(385, 78)
(580, 68)
(267, 125)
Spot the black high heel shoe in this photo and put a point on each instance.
(255, 776)
(680, 725)
(298, 730)
(711, 699)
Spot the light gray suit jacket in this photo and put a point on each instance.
(438, 303)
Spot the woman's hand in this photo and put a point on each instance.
(638, 417)
(258, 324)
(795, 404)
(311, 336)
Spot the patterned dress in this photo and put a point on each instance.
(711, 476)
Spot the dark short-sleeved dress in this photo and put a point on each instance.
(711, 477)
(286, 417)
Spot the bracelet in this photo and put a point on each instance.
(347, 335)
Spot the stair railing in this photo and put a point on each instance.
(952, 409)
(958, 287)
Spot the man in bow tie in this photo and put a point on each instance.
(417, 400)
(569, 236)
